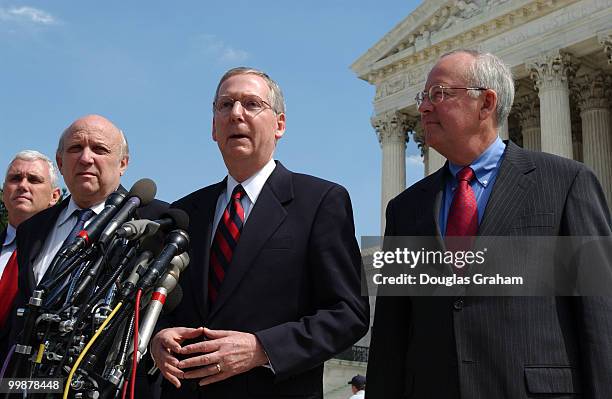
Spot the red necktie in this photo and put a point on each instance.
(463, 215)
(225, 241)
(8, 288)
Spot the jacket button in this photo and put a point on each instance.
(458, 304)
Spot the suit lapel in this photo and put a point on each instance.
(265, 217)
(41, 234)
(509, 192)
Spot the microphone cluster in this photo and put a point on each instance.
(82, 322)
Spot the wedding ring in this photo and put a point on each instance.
(218, 366)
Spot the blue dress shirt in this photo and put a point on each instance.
(485, 168)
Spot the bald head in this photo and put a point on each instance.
(92, 155)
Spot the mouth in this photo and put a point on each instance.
(22, 198)
(86, 174)
(238, 136)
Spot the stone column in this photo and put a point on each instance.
(605, 39)
(392, 131)
(595, 115)
(550, 73)
(528, 110)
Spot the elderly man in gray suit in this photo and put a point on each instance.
(490, 347)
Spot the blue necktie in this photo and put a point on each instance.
(82, 215)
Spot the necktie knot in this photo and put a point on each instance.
(83, 215)
(465, 174)
(238, 193)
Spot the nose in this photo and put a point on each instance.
(237, 110)
(23, 184)
(86, 156)
(426, 106)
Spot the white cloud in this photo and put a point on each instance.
(27, 14)
(414, 159)
(223, 52)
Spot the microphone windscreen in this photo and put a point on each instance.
(173, 299)
(180, 217)
(145, 190)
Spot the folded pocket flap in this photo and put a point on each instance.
(552, 380)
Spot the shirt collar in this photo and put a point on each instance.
(68, 212)
(254, 184)
(11, 233)
(485, 164)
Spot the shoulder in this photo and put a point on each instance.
(200, 196)
(42, 217)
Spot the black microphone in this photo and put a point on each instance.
(141, 193)
(173, 218)
(177, 242)
(93, 230)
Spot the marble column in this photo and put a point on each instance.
(596, 139)
(550, 73)
(528, 110)
(392, 131)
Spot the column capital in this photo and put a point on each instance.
(551, 69)
(392, 127)
(605, 39)
(591, 89)
(527, 107)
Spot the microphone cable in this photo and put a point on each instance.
(86, 349)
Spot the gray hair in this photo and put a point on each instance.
(33, 155)
(491, 72)
(276, 98)
(125, 148)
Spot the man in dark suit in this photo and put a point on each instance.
(92, 155)
(490, 347)
(30, 185)
(273, 289)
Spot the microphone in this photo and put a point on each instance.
(176, 242)
(93, 230)
(172, 219)
(141, 193)
(163, 291)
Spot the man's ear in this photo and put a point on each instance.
(123, 164)
(281, 124)
(489, 104)
(55, 196)
(58, 161)
(214, 133)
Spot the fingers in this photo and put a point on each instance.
(216, 334)
(199, 347)
(205, 371)
(202, 360)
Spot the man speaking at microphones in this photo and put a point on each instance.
(273, 289)
(92, 155)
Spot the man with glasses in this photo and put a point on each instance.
(273, 288)
(490, 347)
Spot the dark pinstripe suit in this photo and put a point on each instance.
(498, 347)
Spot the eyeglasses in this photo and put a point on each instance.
(436, 93)
(251, 104)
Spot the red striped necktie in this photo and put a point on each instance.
(224, 242)
(8, 288)
(463, 214)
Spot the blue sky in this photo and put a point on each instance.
(152, 67)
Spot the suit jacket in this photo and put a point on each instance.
(498, 347)
(4, 333)
(294, 282)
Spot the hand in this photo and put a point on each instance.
(167, 341)
(225, 354)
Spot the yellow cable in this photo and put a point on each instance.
(89, 344)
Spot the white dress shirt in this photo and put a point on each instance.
(63, 225)
(359, 395)
(8, 246)
(252, 186)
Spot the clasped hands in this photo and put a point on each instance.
(221, 354)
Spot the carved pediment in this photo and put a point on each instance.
(439, 26)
